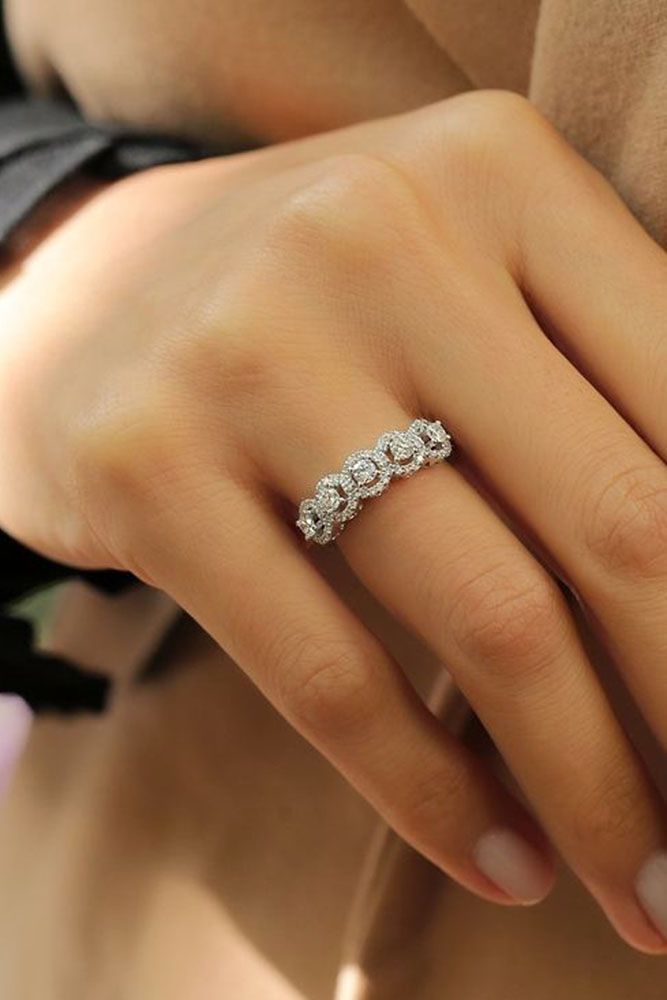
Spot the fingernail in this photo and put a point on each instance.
(651, 887)
(514, 865)
(15, 722)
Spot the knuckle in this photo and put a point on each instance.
(249, 356)
(248, 368)
(625, 528)
(431, 798)
(507, 622)
(326, 689)
(347, 212)
(130, 473)
(473, 152)
(611, 813)
(482, 127)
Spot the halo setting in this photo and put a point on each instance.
(339, 496)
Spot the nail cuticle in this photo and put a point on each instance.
(651, 891)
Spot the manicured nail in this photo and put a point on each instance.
(514, 865)
(15, 722)
(651, 886)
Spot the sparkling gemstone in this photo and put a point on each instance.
(336, 496)
(329, 499)
(369, 471)
(312, 523)
(437, 441)
(339, 496)
(401, 448)
(364, 471)
(405, 452)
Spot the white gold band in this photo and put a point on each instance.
(339, 496)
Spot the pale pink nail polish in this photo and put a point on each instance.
(651, 888)
(15, 722)
(513, 864)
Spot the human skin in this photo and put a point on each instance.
(208, 847)
(223, 70)
(192, 348)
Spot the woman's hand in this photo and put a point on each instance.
(184, 357)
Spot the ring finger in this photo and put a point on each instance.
(332, 679)
(435, 553)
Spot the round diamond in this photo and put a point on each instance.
(329, 499)
(401, 448)
(364, 471)
(369, 471)
(405, 451)
(437, 441)
(313, 523)
(337, 497)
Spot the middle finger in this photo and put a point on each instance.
(570, 469)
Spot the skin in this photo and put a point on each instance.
(333, 59)
(183, 341)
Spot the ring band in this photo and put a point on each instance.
(339, 496)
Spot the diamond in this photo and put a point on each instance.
(437, 441)
(313, 523)
(339, 496)
(405, 451)
(369, 471)
(363, 471)
(336, 496)
(401, 449)
(329, 499)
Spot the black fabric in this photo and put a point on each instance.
(9, 78)
(26, 178)
(28, 123)
(23, 571)
(47, 683)
(42, 144)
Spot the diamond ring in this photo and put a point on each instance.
(339, 496)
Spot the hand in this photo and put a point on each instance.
(185, 356)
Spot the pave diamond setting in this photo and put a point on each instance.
(437, 442)
(370, 471)
(339, 496)
(405, 451)
(336, 496)
(315, 526)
